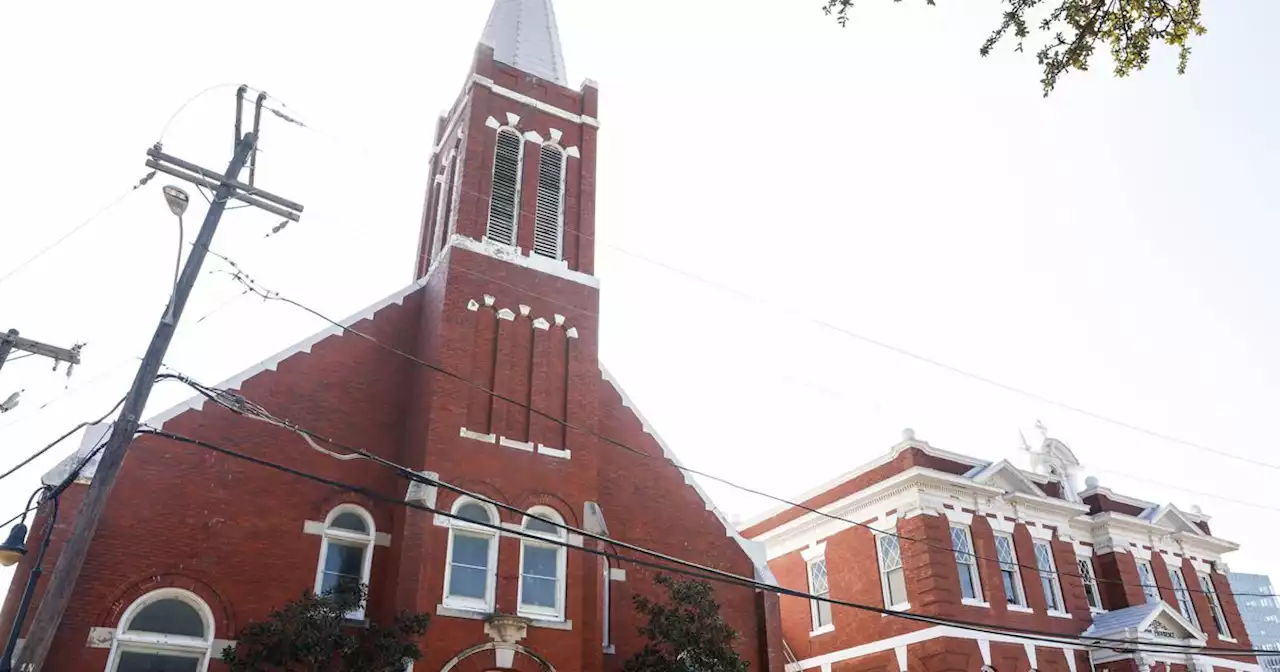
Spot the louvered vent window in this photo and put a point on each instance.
(547, 225)
(504, 205)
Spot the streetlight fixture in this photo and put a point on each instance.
(177, 200)
(14, 548)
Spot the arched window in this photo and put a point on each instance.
(504, 204)
(169, 630)
(548, 225)
(473, 556)
(542, 565)
(346, 556)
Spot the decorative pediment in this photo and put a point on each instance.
(1168, 624)
(1149, 622)
(1169, 516)
(1004, 475)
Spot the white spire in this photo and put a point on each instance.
(523, 34)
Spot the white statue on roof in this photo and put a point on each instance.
(1054, 459)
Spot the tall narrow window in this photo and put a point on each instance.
(1009, 574)
(1147, 577)
(893, 580)
(346, 555)
(443, 206)
(1215, 606)
(818, 587)
(473, 557)
(1183, 595)
(1091, 594)
(1048, 576)
(548, 226)
(504, 205)
(966, 564)
(167, 629)
(542, 566)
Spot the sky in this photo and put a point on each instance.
(775, 194)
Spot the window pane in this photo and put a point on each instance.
(342, 559)
(534, 524)
(132, 661)
(540, 561)
(1010, 588)
(897, 586)
(818, 577)
(1050, 595)
(824, 614)
(1090, 585)
(170, 617)
(337, 584)
(350, 521)
(469, 550)
(966, 583)
(538, 592)
(468, 582)
(890, 555)
(474, 512)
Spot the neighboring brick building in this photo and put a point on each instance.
(194, 545)
(990, 543)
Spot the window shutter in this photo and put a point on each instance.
(504, 205)
(548, 223)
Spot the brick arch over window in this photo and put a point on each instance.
(223, 615)
(527, 500)
(491, 656)
(485, 490)
(332, 500)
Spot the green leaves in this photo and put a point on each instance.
(1073, 28)
(685, 633)
(312, 634)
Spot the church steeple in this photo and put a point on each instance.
(523, 34)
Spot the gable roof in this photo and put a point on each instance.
(1004, 474)
(754, 550)
(1170, 516)
(1137, 621)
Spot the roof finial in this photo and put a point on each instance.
(524, 35)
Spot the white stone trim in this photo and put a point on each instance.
(534, 136)
(565, 454)
(830, 627)
(958, 517)
(534, 102)
(984, 649)
(513, 255)
(814, 552)
(477, 436)
(617, 574)
(754, 550)
(541, 323)
(103, 638)
(924, 635)
(1030, 648)
(1019, 609)
(506, 314)
(999, 524)
(526, 446)
(900, 653)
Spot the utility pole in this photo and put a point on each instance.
(10, 341)
(71, 559)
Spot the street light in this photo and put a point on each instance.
(178, 201)
(12, 551)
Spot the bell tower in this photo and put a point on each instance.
(513, 167)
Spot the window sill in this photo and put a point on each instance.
(1019, 609)
(548, 623)
(1231, 640)
(830, 627)
(905, 606)
(975, 603)
(1058, 614)
(454, 611)
(1096, 611)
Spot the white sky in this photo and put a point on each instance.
(1110, 247)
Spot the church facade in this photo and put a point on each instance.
(1103, 581)
(482, 373)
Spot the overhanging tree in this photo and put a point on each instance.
(685, 633)
(1072, 29)
(312, 634)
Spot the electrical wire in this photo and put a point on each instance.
(92, 218)
(685, 567)
(60, 439)
(253, 286)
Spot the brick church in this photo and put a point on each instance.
(194, 545)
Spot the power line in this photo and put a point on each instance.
(60, 439)
(689, 568)
(253, 286)
(92, 218)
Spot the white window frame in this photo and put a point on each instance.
(967, 564)
(1150, 590)
(348, 538)
(174, 645)
(559, 223)
(445, 195)
(493, 171)
(1051, 573)
(813, 556)
(1084, 564)
(1182, 595)
(1215, 605)
(884, 574)
(1020, 601)
(467, 528)
(534, 611)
